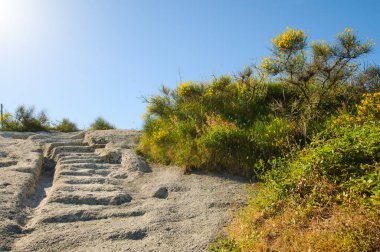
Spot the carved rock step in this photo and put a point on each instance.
(63, 213)
(89, 188)
(83, 173)
(74, 160)
(72, 180)
(70, 155)
(95, 166)
(93, 198)
(50, 146)
(61, 140)
(7, 163)
(67, 149)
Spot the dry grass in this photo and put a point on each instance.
(333, 228)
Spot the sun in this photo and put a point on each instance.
(11, 16)
(6, 10)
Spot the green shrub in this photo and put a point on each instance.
(226, 124)
(325, 197)
(25, 119)
(315, 152)
(231, 123)
(224, 245)
(8, 123)
(325, 76)
(101, 124)
(66, 126)
(194, 127)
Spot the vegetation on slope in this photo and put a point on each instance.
(26, 119)
(324, 198)
(225, 125)
(101, 124)
(235, 123)
(66, 126)
(305, 123)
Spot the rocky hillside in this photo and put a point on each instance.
(91, 192)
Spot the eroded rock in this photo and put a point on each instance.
(161, 193)
(95, 193)
(133, 162)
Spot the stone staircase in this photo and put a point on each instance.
(81, 178)
(96, 194)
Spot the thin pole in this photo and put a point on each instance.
(1, 118)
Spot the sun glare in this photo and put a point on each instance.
(6, 11)
(11, 16)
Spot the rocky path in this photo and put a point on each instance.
(93, 193)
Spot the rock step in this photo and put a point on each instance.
(70, 155)
(95, 166)
(89, 188)
(7, 163)
(50, 146)
(88, 180)
(61, 140)
(83, 173)
(67, 149)
(91, 170)
(65, 143)
(75, 149)
(70, 215)
(74, 160)
(94, 198)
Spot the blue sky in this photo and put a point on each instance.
(84, 58)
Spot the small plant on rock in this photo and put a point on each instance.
(101, 124)
(66, 126)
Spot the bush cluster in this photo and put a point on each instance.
(66, 126)
(305, 123)
(235, 123)
(101, 124)
(324, 198)
(26, 119)
(226, 124)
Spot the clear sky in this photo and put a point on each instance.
(84, 58)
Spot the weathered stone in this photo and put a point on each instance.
(133, 162)
(161, 193)
(75, 196)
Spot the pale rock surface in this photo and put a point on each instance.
(89, 191)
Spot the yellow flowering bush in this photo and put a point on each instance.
(326, 197)
(8, 122)
(285, 47)
(231, 122)
(218, 87)
(368, 109)
(221, 124)
(318, 73)
(209, 92)
(290, 40)
(184, 89)
(159, 135)
(269, 64)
